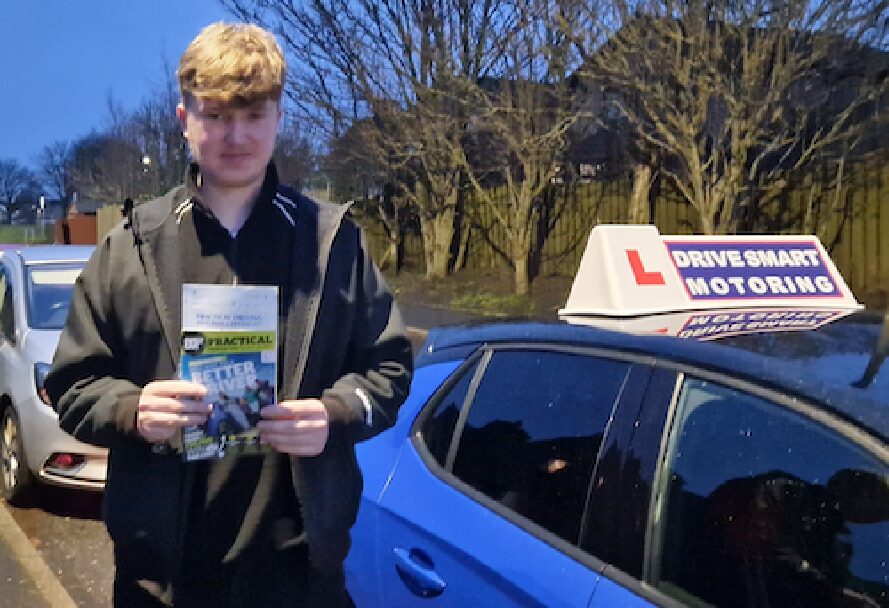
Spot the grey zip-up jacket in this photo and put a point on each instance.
(345, 342)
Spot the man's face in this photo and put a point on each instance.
(232, 144)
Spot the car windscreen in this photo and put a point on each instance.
(49, 288)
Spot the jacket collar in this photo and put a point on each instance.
(268, 192)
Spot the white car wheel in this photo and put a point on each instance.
(17, 479)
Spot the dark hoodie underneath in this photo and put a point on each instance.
(243, 512)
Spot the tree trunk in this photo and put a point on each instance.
(395, 254)
(438, 233)
(640, 206)
(522, 281)
(460, 260)
(707, 223)
(520, 249)
(392, 255)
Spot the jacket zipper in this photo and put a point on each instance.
(234, 256)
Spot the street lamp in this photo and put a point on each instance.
(146, 165)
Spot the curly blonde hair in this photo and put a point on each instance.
(232, 63)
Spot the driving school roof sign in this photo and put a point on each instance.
(630, 270)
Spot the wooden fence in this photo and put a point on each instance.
(855, 231)
(107, 218)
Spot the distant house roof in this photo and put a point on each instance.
(85, 206)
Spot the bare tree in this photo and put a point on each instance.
(105, 167)
(15, 180)
(295, 156)
(734, 99)
(398, 63)
(356, 162)
(107, 164)
(154, 129)
(524, 113)
(138, 154)
(54, 162)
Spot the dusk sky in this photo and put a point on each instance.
(61, 59)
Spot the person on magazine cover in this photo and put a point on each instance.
(268, 530)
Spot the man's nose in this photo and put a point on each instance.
(237, 131)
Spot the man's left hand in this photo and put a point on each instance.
(298, 427)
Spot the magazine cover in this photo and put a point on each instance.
(229, 344)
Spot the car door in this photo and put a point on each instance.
(9, 357)
(762, 500)
(485, 504)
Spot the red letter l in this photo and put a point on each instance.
(643, 277)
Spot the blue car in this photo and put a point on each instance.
(708, 425)
(562, 465)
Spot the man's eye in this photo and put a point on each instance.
(257, 115)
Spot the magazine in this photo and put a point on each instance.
(230, 345)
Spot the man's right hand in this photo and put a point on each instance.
(165, 406)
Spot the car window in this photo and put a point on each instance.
(438, 429)
(533, 432)
(761, 506)
(7, 309)
(49, 294)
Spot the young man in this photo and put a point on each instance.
(267, 530)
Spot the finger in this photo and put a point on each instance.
(174, 388)
(169, 419)
(301, 428)
(171, 404)
(296, 408)
(155, 403)
(291, 426)
(296, 426)
(289, 440)
(156, 434)
(272, 412)
(298, 448)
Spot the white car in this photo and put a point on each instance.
(35, 290)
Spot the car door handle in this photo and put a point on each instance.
(417, 572)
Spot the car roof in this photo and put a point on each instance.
(838, 365)
(38, 254)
